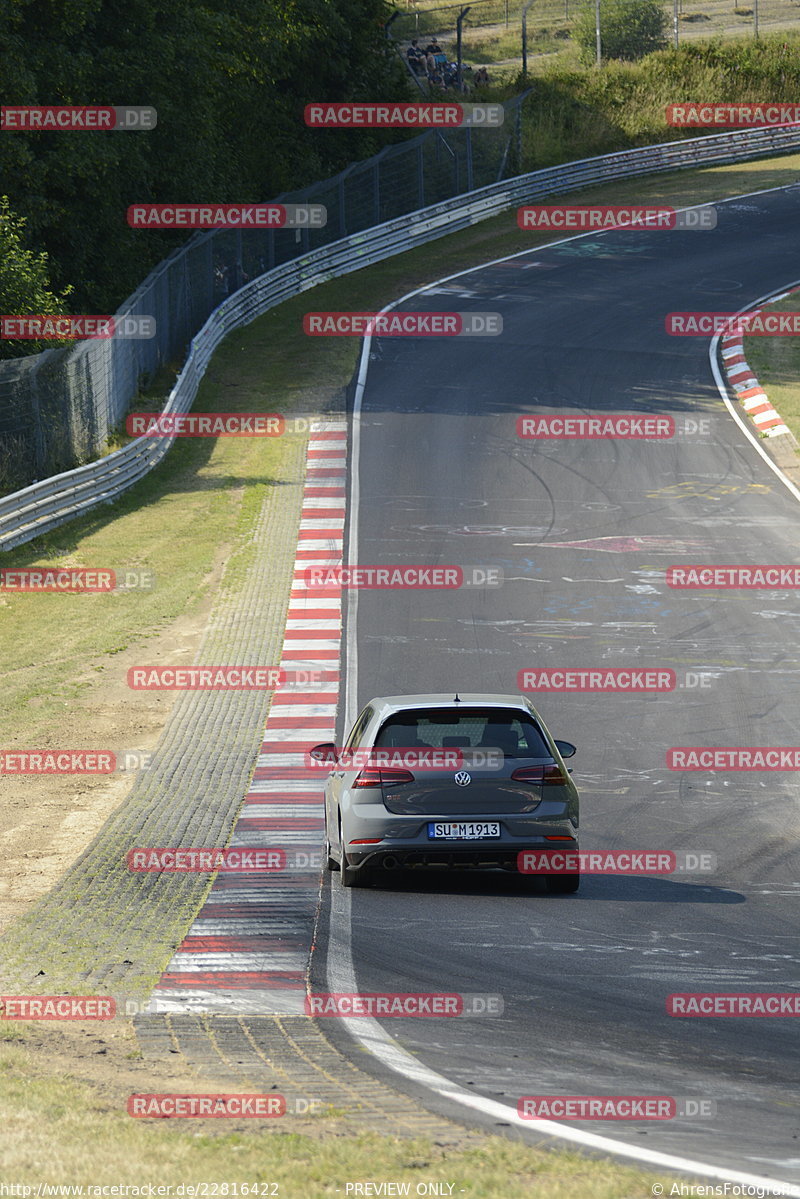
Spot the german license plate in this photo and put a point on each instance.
(471, 830)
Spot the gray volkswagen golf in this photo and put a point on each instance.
(450, 780)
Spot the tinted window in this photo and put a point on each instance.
(354, 740)
(489, 728)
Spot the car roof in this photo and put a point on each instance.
(387, 705)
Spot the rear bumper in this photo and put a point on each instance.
(453, 854)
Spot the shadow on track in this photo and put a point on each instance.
(594, 888)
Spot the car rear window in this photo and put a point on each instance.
(487, 728)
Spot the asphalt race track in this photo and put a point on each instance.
(444, 479)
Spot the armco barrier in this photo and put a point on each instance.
(34, 510)
(59, 408)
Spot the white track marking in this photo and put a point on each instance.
(341, 973)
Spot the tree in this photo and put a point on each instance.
(229, 80)
(629, 29)
(24, 282)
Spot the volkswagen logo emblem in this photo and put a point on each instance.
(463, 779)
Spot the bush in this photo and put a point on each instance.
(24, 281)
(629, 29)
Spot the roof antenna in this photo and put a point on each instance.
(456, 700)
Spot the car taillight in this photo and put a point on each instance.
(374, 776)
(544, 775)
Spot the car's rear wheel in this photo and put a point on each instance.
(352, 876)
(349, 876)
(562, 884)
(330, 860)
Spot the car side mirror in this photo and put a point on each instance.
(565, 748)
(324, 753)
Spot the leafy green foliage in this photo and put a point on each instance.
(574, 113)
(629, 29)
(24, 282)
(229, 79)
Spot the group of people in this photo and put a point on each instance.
(431, 63)
(428, 62)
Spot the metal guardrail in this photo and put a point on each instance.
(59, 408)
(37, 509)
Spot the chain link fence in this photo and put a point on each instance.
(492, 29)
(46, 505)
(59, 408)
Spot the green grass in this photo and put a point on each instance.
(776, 365)
(61, 1130)
(488, 47)
(488, 39)
(575, 112)
(199, 505)
(182, 522)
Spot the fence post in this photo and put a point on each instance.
(184, 334)
(38, 431)
(208, 245)
(90, 391)
(68, 387)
